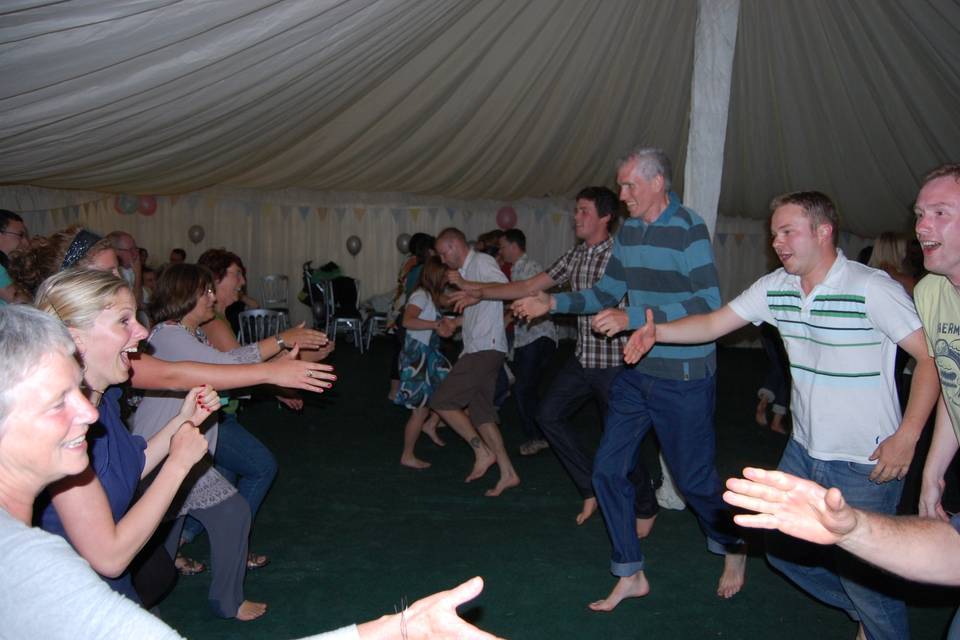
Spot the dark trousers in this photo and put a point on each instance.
(681, 413)
(529, 364)
(573, 386)
(228, 527)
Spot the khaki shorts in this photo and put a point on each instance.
(471, 384)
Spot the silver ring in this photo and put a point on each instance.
(309, 373)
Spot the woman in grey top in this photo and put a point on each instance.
(183, 301)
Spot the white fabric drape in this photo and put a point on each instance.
(494, 99)
(710, 100)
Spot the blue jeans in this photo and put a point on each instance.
(571, 387)
(529, 364)
(245, 462)
(681, 413)
(833, 576)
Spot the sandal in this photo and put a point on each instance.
(188, 566)
(257, 561)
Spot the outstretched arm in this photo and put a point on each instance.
(431, 617)
(286, 371)
(919, 549)
(695, 329)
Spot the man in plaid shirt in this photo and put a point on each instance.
(597, 360)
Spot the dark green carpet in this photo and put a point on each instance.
(352, 533)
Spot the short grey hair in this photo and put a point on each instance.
(26, 336)
(651, 162)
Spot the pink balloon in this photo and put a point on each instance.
(147, 205)
(506, 218)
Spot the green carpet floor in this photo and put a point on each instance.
(352, 533)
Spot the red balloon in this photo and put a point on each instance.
(147, 205)
(506, 218)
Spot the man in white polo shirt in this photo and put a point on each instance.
(472, 380)
(841, 323)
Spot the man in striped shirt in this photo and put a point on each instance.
(597, 360)
(662, 260)
(841, 323)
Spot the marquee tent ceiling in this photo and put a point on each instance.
(498, 99)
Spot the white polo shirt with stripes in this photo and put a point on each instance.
(841, 340)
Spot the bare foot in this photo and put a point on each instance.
(251, 610)
(777, 424)
(589, 508)
(644, 525)
(484, 461)
(506, 481)
(413, 462)
(635, 586)
(734, 571)
(431, 432)
(761, 416)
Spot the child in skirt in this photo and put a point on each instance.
(422, 366)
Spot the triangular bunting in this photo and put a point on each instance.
(450, 213)
(556, 218)
(304, 212)
(722, 238)
(397, 214)
(359, 212)
(341, 212)
(322, 213)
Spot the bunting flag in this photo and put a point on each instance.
(557, 217)
(341, 212)
(538, 214)
(722, 239)
(211, 203)
(397, 213)
(173, 199)
(285, 211)
(322, 213)
(415, 213)
(359, 212)
(304, 212)
(738, 237)
(75, 211)
(86, 208)
(450, 213)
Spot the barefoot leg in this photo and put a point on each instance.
(251, 610)
(761, 416)
(635, 586)
(460, 422)
(777, 424)
(490, 433)
(644, 526)
(430, 428)
(410, 434)
(734, 572)
(589, 508)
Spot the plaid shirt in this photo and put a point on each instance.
(582, 266)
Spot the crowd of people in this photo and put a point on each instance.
(645, 291)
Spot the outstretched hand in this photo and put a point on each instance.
(532, 306)
(610, 322)
(797, 507)
(461, 300)
(641, 341)
(289, 371)
(306, 338)
(431, 617)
